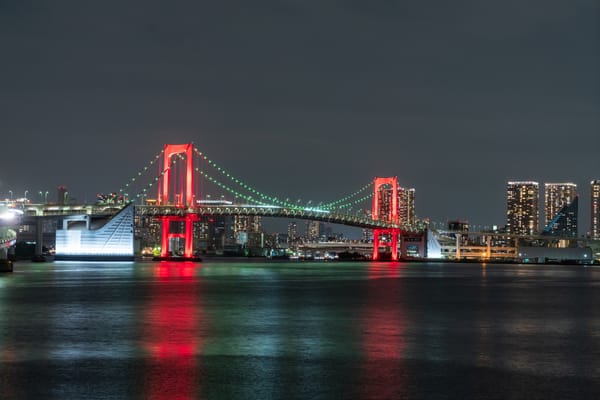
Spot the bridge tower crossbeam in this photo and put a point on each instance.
(164, 187)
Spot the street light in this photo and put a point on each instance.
(27, 191)
(65, 196)
(10, 193)
(41, 196)
(46, 197)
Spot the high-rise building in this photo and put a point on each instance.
(556, 196)
(213, 233)
(367, 234)
(385, 202)
(292, 233)
(522, 210)
(564, 222)
(406, 206)
(314, 230)
(595, 209)
(560, 209)
(248, 224)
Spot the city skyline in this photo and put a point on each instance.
(595, 209)
(306, 100)
(548, 203)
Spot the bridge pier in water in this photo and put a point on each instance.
(391, 235)
(187, 235)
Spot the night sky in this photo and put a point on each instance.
(306, 99)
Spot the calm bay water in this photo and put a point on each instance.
(284, 330)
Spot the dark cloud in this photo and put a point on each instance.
(305, 99)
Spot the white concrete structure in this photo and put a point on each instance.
(113, 241)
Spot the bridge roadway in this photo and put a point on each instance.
(41, 210)
(49, 211)
(269, 211)
(33, 212)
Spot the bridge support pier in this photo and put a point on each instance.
(377, 234)
(188, 235)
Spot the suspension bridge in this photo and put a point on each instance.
(175, 185)
(184, 173)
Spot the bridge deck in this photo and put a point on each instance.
(269, 211)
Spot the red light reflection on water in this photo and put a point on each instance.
(377, 270)
(383, 326)
(176, 270)
(171, 336)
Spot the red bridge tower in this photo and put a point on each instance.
(385, 208)
(182, 196)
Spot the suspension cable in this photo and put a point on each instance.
(341, 203)
(123, 189)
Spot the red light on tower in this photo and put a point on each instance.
(385, 208)
(180, 200)
(164, 186)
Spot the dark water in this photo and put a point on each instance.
(299, 330)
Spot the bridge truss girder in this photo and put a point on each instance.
(276, 212)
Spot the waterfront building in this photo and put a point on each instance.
(564, 222)
(522, 209)
(147, 230)
(385, 202)
(314, 230)
(595, 209)
(367, 234)
(560, 209)
(246, 225)
(292, 233)
(213, 233)
(114, 240)
(405, 204)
